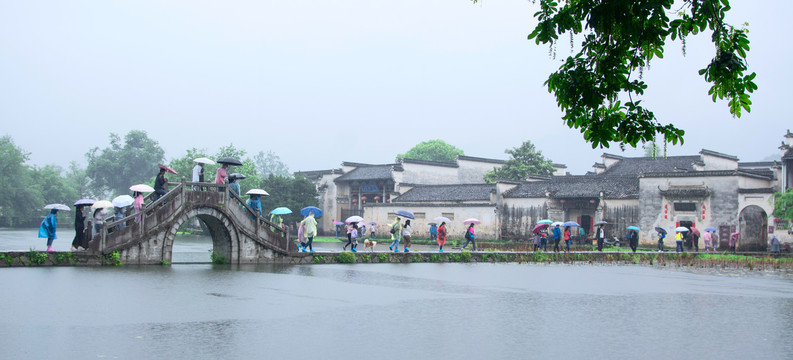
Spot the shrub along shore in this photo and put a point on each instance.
(746, 261)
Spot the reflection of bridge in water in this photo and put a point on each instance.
(237, 235)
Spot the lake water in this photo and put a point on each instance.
(393, 311)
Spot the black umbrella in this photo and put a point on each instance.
(230, 161)
(237, 176)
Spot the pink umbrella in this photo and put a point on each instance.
(168, 169)
(142, 188)
(695, 231)
(539, 227)
(471, 221)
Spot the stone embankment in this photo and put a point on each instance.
(748, 261)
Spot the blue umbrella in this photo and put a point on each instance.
(372, 223)
(634, 228)
(571, 223)
(84, 202)
(406, 214)
(660, 229)
(281, 211)
(311, 210)
(710, 228)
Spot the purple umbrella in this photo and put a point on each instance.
(539, 227)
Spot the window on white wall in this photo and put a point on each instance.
(449, 216)
(420, 215)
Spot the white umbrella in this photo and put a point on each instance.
(203, 160)
(354, 219)
(123, 200)
(681, 229)
(57, 207)
(101, 204)
(442, 219)
(142, 188)
(557, 223)
(257, 192)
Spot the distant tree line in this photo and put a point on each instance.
(110, 171)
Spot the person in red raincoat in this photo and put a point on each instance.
(442, 236)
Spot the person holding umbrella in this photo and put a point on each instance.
(137, 205)
(679, 240)
(396, 234)
(311, 230)
(567, 240)
(557, 236)
(544, 239)
(661, 236)
(79, 228)
(441, 236)
(160, 184)
(600, 236)
(198, 172)
(221, 175)
(348, 229)
(708, 239)
(406, 234)
(470, 237)
(633, 239)
(48, 228)
(234, 186)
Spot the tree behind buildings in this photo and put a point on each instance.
(525, 161)
(432, 150)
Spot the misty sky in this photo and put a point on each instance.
(321, 82)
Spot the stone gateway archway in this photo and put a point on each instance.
(753, 225)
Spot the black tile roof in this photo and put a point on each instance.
(479, 159)
(431, 163)
(752, 173)
(369, 172)
(572, 186)
(461, 192)
(718, 154)
(637, 165)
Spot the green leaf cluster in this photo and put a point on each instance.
(432, 150)
(783, 204)
(525, 161)
(33, 187)
(114, 169)
(599, 88)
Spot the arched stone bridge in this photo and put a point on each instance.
(147, 237)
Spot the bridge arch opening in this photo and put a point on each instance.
(215, 226)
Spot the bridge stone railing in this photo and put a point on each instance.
(180, 201)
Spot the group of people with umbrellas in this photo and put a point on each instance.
(120, 203)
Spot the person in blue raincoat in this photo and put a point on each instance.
(234, 186)
(255, 204)
(48, 227)
(433, 232)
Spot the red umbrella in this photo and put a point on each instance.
(539, 227)
(168, 169)
(695, 231)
